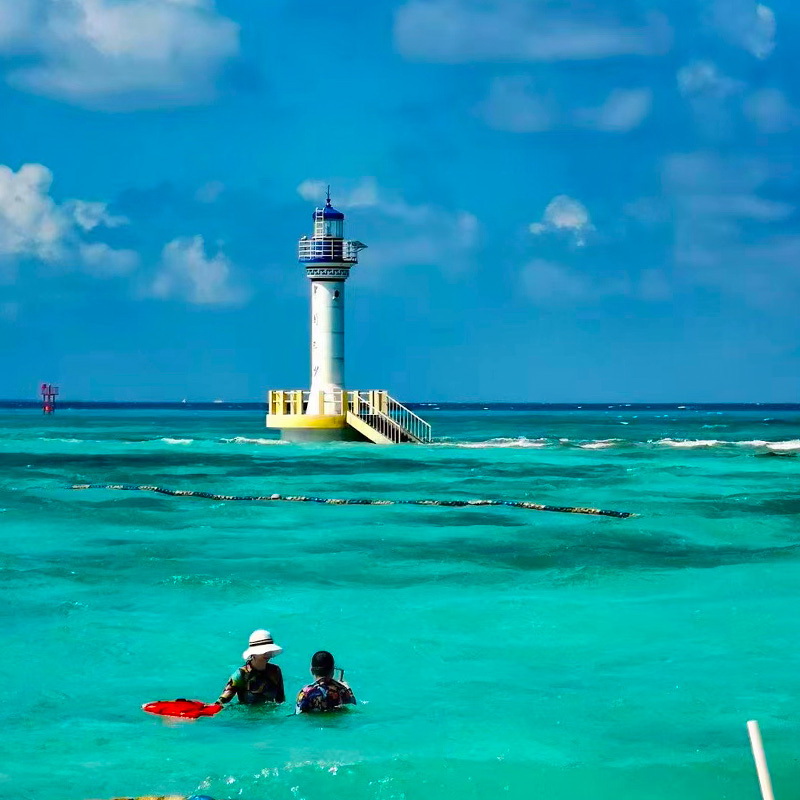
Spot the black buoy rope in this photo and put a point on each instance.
(339, 501)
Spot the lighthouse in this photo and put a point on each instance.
(328, 258)
(328, 411)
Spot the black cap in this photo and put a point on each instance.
(322, 663)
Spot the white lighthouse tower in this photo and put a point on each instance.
(328, 258)
(328, 411)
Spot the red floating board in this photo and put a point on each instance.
(188, 709)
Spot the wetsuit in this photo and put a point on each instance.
(253, 686)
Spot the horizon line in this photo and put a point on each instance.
(263, 403)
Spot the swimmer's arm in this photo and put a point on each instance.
(227, 695)
(229, 692)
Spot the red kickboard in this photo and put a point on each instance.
(187, 709)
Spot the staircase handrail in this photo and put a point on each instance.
(376, 419)
(416, 425)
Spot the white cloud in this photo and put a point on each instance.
(404, 234)
(770, 111)
(103, 261)
(718, 102)
(17, 19)
(313, 190)
(513, 105)
(89, 216)
(565, 215)
(117, 55)
(33, 225)
(703, 79)
(187, 273)
(747, 24)
(548, 283)
(729, 235)
(456, 31)
(762, 39)
(623, 110)
(363, 194)
(713, 97)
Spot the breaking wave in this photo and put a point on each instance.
(690, 443)
(520, 441)
(788, 446)
(246, 440)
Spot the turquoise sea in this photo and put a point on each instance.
(494, 652)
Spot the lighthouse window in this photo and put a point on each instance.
(334, 227)
(336, 293)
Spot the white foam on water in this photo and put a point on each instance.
(521, 441)
(246, 440)
(168, 440)
(788, 446)
(782, 447)
(600, 444)
(690, 443)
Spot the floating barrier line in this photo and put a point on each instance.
(334, 501)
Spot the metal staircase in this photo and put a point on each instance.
(380, 418)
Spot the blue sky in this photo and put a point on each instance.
(563, 200)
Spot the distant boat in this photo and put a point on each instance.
(184, 400)
(219, 401)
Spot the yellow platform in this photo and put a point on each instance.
(371, 416)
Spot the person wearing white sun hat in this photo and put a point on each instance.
(257, 681)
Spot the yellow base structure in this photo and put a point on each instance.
(371, 416)
(314, 428)
(311, 421)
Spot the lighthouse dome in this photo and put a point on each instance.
(329, 212)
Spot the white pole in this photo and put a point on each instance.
(761, 760)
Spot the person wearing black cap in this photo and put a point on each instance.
(325, 694)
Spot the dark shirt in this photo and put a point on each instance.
(254, 686)
(325, 694)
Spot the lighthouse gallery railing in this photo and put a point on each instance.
(328, 250)
(377, 408)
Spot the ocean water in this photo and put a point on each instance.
(494, 652)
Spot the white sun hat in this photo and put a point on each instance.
(261, 644)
